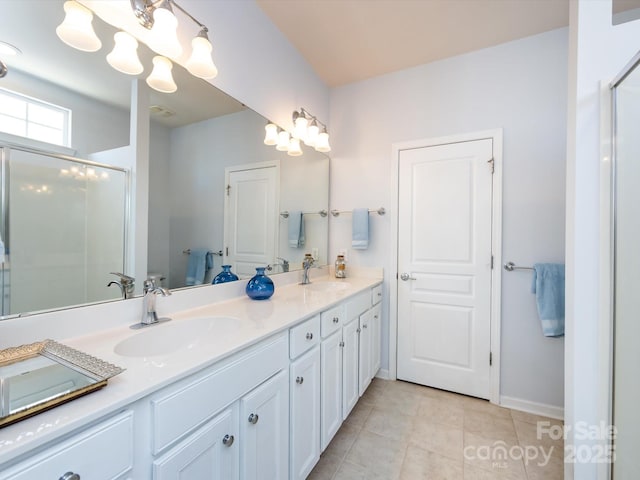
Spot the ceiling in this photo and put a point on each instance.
(351, 40)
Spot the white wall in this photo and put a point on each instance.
(519, 86)
(598, 51)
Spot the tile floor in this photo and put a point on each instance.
(402, 431)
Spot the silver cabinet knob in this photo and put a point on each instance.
(406, 276)
(341, 344)
(70, 476)
(375, 316)
(364, 325)
(299, 380)
(228, 440)
(336, 319)
(358, 330)
(309, 336)
(253, 418)
(379, 294)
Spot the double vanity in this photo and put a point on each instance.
(229, 388)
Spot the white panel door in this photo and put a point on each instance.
(364, 372)
(444, 266)
(251, 218)
(350, 388)
(330, 387)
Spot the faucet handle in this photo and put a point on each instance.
(124, 279)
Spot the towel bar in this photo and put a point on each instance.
(379, 211)
(322, 213)
(188, 252)
(510, 267)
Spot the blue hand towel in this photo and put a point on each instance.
(200, 262)
(548, 285)
(296, 229)
(360, 229)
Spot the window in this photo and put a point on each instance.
(35, 119)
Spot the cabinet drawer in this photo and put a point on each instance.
(359, 304)
(331, 320)
(376, 294)
(177, 411)
(102, 452)
(304, 336)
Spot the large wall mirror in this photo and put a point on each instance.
(203, 146)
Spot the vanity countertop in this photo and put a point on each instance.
(243, 322)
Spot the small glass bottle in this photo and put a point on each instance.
(341, 267)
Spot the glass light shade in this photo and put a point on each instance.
(76, 29)
(200, 63)
(294, 147)
(322, 143)
(271, 134)
(160, 78)
(124, 56)
(300, 127)
(312, 134)
(164, 38)
(283, 141)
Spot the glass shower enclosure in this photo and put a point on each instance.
(63, 230)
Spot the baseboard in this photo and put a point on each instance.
(532, 407)
(383, 374)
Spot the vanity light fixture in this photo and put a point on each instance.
(270, 134)
(307, 129)
(76, 30)
(155, 15)
(6, 49)
(283, 141)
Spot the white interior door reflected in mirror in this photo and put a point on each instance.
(251, 216)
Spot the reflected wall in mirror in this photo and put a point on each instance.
(195, 135)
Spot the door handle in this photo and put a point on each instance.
(405, 276)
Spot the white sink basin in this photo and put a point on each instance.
(175, 335)
(328, 286)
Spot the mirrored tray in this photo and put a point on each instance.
(44, 374)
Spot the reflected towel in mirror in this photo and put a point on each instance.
(296, 229)
(200, 262)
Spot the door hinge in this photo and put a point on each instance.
(228, 190)
(226, 250)
(490, 358)
(491, 262)
(491, 163)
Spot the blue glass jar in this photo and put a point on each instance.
(226, 275)
(260, 287)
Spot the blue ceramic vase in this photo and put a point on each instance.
(260, 287)
(226, 275)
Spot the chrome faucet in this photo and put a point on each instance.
(307, 263)
(149, 314)
(126, 284)
(284, 265)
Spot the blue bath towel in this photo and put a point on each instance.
(360, 229)
(200, 262)
(548, 285)
(296, 229)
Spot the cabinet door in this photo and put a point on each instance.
(304, 386)
(364, 376)
(376, 329)
(211, 453)
(350, 387)
(330, 387)
(264, 430)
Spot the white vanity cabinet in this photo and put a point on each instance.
(304, 406)
(101, 452)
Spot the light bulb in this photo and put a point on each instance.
(300, 128)
(271, 134)
(294, 147)
(200, 63)
(124, 56)
(283, 141)
(322, 143)
(312, 134)
(160, 78)
(76, 29)
(164, 38)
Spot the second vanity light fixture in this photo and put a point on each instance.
(306, 128)
(157, 16)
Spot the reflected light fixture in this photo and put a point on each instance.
(160, 78)
(9, 50)
(271, 134)
(124, 56)
(283, 141)
(294, 147)
(200, 63)
(76, 30)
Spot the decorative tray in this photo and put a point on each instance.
(42, 375)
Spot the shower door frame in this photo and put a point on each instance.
(5, 169)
